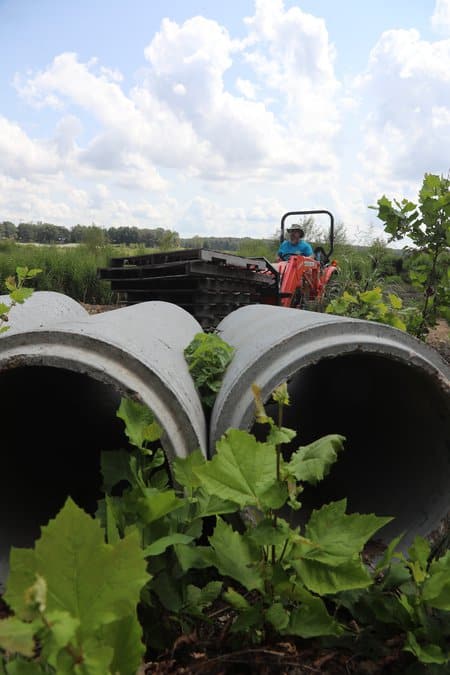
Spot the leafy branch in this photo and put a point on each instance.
(18, 292)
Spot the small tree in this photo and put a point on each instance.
(427, 225)
(94, 237)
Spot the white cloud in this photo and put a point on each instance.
(246, 88)
(226, 133)
(406, 130)
(21, 155)
(440, 19)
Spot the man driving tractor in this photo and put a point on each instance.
(295, 245)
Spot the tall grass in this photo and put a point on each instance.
(72, 271)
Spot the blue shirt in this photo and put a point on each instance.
(288, 249)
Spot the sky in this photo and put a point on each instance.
(214, 118)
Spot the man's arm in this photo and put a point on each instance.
(281, 251)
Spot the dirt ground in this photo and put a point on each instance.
(439, 338)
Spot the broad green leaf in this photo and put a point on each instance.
(125, 637)
(419, 575)
(348, 298)
(425, 653)
(115, 467)
(248, 619)
(21, 294)
(157, 504)
(211, 505)
(419, 552)
(194, 557)
(266, 534)
(198, 599)
(4, 309)
(311, 463)
(329, 579)
(16, 636)
(22, 576)
(160, 545)
(396, 302)
(280, 435)
(436, 589)
(396, 322)
(22, 273)
(36, 595)
(21, 667)
(61, 632)
(33, 272)
(337, 536)
(138, 418)
(311, 619)
(112, 528)
(168, 590)
(95, 582)
(235, 557)
(371, 297)
(242, 470)
(184, 469)
(97, 658)
(278, 616)
(235, 599)
(10, 283)
(152, 432)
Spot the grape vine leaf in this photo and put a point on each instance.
(243, 471)
(235, 557)
(311, 463)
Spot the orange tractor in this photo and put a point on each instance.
(211, 284)
(303, 280)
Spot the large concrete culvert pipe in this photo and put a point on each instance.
(387, 392)
(62, 375)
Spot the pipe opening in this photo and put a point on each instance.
(55, 424)
(396, 460)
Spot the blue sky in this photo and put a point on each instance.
(211, 117)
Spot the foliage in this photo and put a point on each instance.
(47, 233)
(208, 356)
(18, 292)
(373, 305)
(258, 248)
(75, 597)
(427, 225)
(289, 569)
(411, 596)
(72, 271)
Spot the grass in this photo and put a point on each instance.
(72, 271)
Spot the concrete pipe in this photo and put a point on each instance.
(386, 391)
(62, 375)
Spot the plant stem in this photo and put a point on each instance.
(430, 284)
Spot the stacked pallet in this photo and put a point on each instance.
(207, 284)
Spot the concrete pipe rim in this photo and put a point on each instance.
(113, 366)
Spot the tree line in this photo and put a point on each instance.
(47, 233)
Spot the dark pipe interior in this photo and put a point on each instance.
(55, 423)
(396, 420)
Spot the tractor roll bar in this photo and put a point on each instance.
(309, 213)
